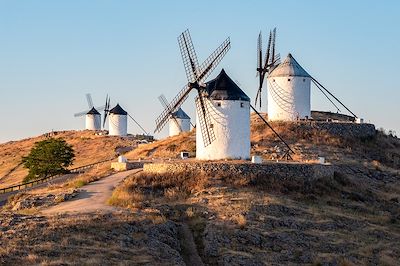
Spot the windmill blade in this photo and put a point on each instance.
(213, 60)
(163, 100)
(106, 110)
(259, 91)
(175, 104)
(89, 100)
(273, 45)
(81, 113)
(268, 51)
(207, 132)
(189, 56)
(99, 108)
(259, 52)
(105, 119)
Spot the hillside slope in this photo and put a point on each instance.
(89, 148)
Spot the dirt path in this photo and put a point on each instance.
(93, 196)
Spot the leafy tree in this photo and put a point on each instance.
(48, 157)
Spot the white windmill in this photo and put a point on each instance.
(289, 87)
(92, 116)
(179, 121)
(118, 120)
(223, 125)
(228, 110)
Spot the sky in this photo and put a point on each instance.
(54, 52)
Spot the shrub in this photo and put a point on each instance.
(48, 157)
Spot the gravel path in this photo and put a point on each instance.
(92, 197)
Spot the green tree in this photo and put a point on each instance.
(48, 157)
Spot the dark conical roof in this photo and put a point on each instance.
(117, 110)
(93, 111)
(289, 67)
(180, 114)
(224, 88)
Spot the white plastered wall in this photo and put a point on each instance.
(178, 125)
(289, 98)
(231, 125)
(117, 125)
(93, 122)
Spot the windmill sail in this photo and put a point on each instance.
(271, 60)
(196, 75)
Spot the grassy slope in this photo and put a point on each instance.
(88, 147)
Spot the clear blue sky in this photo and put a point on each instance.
(53, 52)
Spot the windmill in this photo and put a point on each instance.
(117, 120)
(179, 121)
(196, 75)
(271, 60)
(93, 117)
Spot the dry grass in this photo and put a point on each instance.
(145, 186)
(166, 148)
(88, 147)
(95, 239)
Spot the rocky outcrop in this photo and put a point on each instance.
(27, 201)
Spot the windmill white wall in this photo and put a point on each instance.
(93, 121)
(289, 87)
(231, 124)
(229, 112)
(178, 125)
(118, 125)
(118, 122)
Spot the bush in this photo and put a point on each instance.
(48, 157)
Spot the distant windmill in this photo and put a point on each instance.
(92, 116)
(179, 121)
(117, 119)
(196, 75)
(271, 60)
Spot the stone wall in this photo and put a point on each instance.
(284, 170)
(117, 166)
(345, 129)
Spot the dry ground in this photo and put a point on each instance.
(351, 219)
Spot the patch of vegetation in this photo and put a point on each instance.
(48, 157)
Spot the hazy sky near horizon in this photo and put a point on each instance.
(53, 52)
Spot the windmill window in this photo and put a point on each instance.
(241, 105)
(273, 80)
(218, 104)
(304, 80)
(211, 125)
(288, 79)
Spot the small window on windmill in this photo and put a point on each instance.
(219, 104)
(304, 80)
(288, 79)
(241, 105)
(211, 125)
(273, 80)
